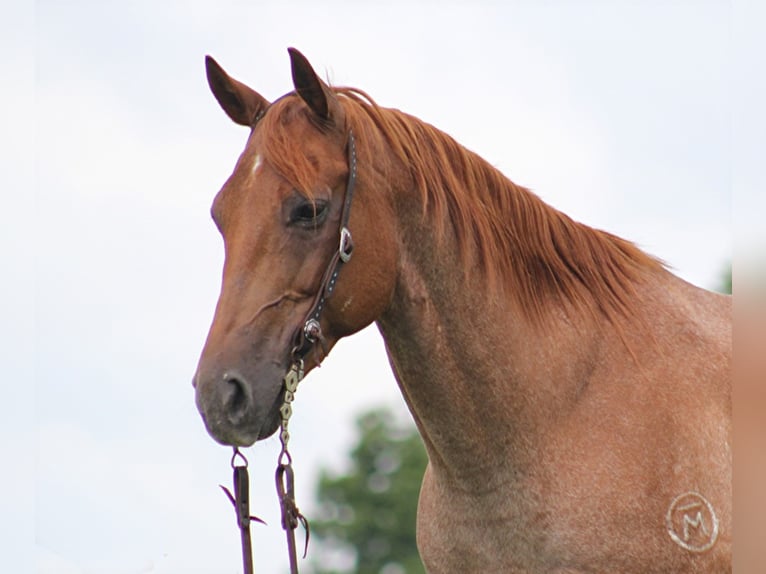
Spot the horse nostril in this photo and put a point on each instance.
(235, 398)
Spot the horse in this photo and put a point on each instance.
(573, 395)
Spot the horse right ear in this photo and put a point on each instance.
(313, 91)
(241, 103)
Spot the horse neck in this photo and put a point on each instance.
(481, 381)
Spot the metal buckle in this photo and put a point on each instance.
(311, 330)
(346, 247)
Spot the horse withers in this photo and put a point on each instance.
(573, 395)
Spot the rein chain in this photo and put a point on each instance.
(307, 335)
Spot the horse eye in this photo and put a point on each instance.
(309, 212)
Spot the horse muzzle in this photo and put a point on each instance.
(239, 410)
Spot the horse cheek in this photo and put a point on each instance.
(365, 287)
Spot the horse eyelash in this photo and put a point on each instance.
(309, 212)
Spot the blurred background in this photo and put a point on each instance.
(641, 118)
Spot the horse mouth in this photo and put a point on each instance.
(237, 421)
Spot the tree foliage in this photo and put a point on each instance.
(726, 281)
(369, 512)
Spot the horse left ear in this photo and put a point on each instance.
(309, 87)
(241, 103)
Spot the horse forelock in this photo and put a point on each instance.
(524, 247)
(285, 152)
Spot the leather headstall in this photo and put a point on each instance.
(309, 332)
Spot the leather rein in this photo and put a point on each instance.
(306, 337)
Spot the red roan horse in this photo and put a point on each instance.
(574, 396)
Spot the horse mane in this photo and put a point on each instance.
(527, 248)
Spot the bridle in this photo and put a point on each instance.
(308, 335)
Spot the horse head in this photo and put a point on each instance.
(280, 214)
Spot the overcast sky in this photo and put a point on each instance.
(640, 118)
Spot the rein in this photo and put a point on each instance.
(306, 337)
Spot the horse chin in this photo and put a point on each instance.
(270, 427)
(272, 422)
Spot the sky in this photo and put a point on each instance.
(640, 118)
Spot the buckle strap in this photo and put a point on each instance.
(241, 502)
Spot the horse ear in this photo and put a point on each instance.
(241, 103)
(309, 87)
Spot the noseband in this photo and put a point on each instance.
(306, 337)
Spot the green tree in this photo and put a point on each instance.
(725, 286)
(369, 512)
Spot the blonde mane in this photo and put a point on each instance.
(522, 243)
